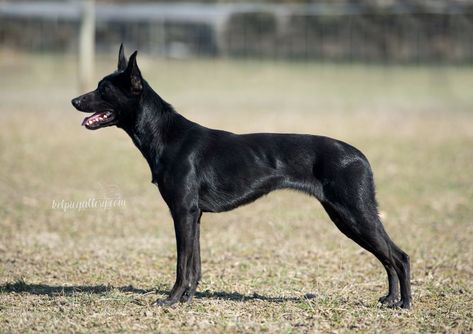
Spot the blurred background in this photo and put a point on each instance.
(395, 31)
(392, 77)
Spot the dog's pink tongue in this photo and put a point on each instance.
(91, 118)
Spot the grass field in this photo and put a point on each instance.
(96, 269)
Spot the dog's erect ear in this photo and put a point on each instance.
(121, 58)
(136, 81)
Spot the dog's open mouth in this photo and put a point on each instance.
(99, 119)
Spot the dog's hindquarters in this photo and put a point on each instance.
(348, 196)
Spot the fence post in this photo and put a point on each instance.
(87, 45)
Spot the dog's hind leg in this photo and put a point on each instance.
(393, 283)
(404, 273)
(350, 202)
(370, 234)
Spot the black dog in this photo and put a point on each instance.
(203, 170)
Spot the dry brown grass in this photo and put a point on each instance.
(98, 270)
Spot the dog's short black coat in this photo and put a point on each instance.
(203, 170)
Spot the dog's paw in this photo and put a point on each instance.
(186, 296)
(164, 302)
(401, 304)
(388, 300)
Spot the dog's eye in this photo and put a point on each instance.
(102, 90)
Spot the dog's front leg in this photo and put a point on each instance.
(195, 272)
(185, 225)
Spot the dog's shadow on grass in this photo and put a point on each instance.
(57, 290)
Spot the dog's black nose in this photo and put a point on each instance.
(76, 102)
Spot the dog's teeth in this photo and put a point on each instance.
(105, 116)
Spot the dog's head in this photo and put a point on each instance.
(116, 98)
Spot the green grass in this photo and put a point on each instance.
(99, 270)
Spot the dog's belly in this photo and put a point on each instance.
(232, 191)
(229, 195)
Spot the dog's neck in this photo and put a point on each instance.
(156, 126)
